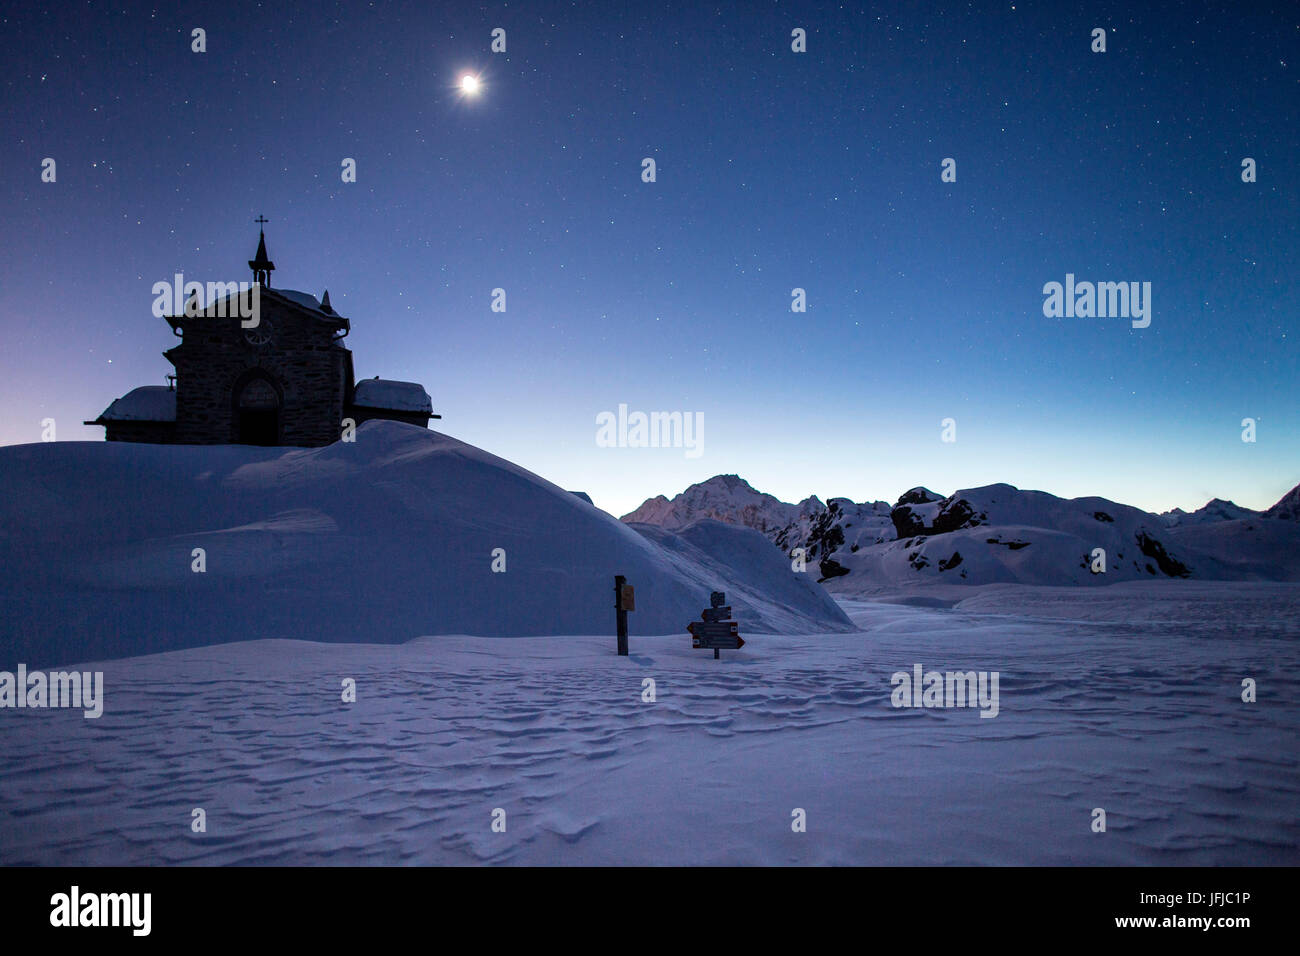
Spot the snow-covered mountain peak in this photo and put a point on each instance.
(1216, 509)
(1287, 507)
(726, 498)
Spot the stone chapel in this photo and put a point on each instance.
(286, 381)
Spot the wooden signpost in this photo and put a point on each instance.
(624, 601)
(715, 630)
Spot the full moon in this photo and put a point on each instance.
(469, 83)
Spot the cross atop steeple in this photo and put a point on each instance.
(262, 266)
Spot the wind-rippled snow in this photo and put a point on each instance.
(1138, 718)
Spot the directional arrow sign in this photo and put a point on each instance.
(712, 628)
(715, 634)
(732, 643)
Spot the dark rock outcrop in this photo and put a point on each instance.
(1167, 564)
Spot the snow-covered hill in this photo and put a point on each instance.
(999, 533)
(384, 539)
(1254, 549)
(758, 581)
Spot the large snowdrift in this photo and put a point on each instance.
(380, 540)
(758, 580)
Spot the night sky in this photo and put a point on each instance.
(775, 170)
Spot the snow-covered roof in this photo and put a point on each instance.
(226, 305)
(392, 396)
(148, 403)
(305, 299)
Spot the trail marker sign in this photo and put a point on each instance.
(715, 631)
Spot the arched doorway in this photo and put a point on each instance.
(257, 412)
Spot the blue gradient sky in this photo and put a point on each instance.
(775, 170)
